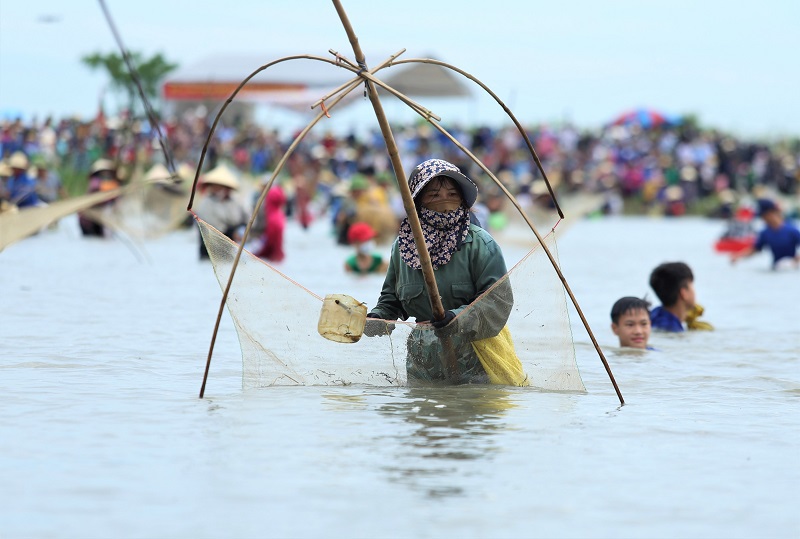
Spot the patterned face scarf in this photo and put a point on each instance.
(444, 233)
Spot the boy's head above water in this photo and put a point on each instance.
(673, 283)
(630, 321)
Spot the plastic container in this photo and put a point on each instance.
(342, 318)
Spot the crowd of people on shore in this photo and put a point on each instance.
(669, 169)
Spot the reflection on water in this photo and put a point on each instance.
(105, 437)
(448, 425)
(341, 402)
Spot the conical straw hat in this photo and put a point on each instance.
(221, 175)
(674, 193)
(101, 165)
(18, 160)
(185, 172)
(157, 172)
(538, 187)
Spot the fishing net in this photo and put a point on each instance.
(276, 322)
(17, 224)
(147, 210)
(140, 210)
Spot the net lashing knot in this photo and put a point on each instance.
(363, 66)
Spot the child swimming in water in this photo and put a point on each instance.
(630, 321)
(364, 260)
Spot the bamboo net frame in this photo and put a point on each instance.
(359, 68)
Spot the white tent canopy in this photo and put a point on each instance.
(297, 84)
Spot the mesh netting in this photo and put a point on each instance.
(276, 321)
(147, 211)
(17, 224)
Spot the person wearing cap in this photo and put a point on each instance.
(218, 208)
(365, 260)
(347, 212)
(21, 187)
(782, 237)
(102, 177)
(48, 183)
(467, 262)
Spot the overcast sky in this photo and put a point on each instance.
(733, 64)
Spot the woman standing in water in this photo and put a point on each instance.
(467, 262)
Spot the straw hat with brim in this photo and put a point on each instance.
(327, 177)
(221, 175)
(18, 160)
(157, 172)
(430, 169)
(5, 170)
(539, 188)
(341, 189)
(102, 165)
(727, 196)
(674, 193)
(185, 172)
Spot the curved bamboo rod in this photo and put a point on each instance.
(371, 82)
(428, 114)
(505, 108)
(355, 83)
(546, 250)
(391, 146)
(233, 96)
(516, 204)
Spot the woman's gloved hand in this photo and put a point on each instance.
(376, 327)
(446, 326)
(448, 317)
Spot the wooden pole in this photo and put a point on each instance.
(230, 100)
(405, 191)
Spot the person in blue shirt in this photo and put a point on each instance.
(782, 238)
(21, 187)
(673, 283)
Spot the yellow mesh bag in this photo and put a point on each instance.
(499, 359)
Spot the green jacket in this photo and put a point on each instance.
(472, 270)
